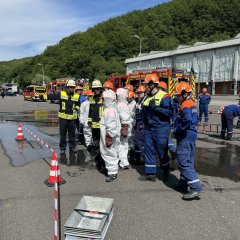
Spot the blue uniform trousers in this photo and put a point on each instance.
(227, 123)
(203, 109)
(171, 146)
(138, 142)
(156, 141)
(185, 163)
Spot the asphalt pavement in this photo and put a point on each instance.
(143, 210)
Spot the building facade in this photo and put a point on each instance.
(217, 64)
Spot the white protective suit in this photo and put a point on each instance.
(83, 119)
(125, 118)
(110, 123)
(132, 106)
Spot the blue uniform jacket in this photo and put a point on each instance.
(235, 110)
(158, 116)
(139, 119)
(82, 99)
(204, 98)
(175, 106)
(186, 121)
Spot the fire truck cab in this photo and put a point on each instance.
(168, 75)
(35, 93)
(54, 88)
(118, 81)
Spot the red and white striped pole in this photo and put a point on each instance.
(57, 222)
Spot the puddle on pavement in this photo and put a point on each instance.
(21, 153)
(218, 158)
(222, 161)
(34, 117)
(81, 159)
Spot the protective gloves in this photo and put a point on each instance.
(108, 140)
(124, 130)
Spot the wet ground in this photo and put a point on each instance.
(214, 157)
(26, 203)
(34, 117)
(218, 158)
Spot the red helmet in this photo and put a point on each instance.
(162, 84)
(108, 85)
(131, 94)
(129, 87)
(141, 89)
(151, 77)
(182, 87)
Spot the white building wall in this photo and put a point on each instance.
(203, 65)
(224, 64)
(215, 63)
(184, 61)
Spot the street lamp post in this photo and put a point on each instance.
(43, 81)
(140, 50)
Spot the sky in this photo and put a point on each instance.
(27, 27)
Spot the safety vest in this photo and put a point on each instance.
(68, 106)
(156, 98)
(95, 112)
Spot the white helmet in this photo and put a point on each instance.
(96, 84)
(71, 83)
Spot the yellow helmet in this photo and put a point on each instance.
(96, 84)
(71, 83)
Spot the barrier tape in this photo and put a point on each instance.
(39, 139)
(36, 137)
(56, 192)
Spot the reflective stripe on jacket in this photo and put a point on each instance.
(95, 112)
(159, 116)
(68, 106)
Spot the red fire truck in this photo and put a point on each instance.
(168, 75)
(118, 81)
(55, 87)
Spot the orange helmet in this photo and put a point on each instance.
(131, 94)
(151, 77)
(204, 90)
(88, 93)
(162, 84)
(182, 87)
(108, 84)
(141, 89)
(129, 87)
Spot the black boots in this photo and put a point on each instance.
(111, 177)
(148, 177)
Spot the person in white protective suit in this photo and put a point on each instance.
(125, 120)
(110, 133)
(83, 118)
(131, 106)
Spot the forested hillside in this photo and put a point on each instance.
(102, 49)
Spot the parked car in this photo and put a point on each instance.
(9, 93)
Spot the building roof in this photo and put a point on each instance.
(184, 49)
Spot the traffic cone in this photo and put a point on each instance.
(20, 136)
(210, 111)
(220, 110)
(54, 167)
